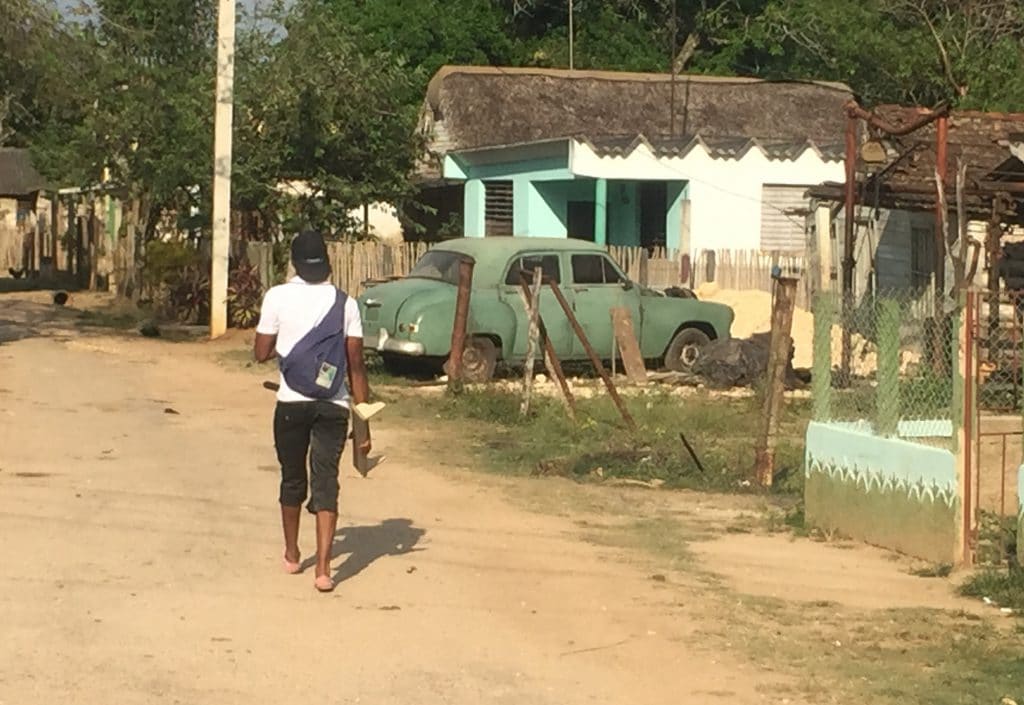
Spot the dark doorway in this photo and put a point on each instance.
(580, 220)
(653, 209)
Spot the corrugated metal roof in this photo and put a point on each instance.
(717, 147)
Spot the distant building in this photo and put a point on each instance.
(20, 185)
(691, 163)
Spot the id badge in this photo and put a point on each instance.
(325, 378)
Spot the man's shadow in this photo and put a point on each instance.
(365, 544)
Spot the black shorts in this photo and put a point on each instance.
(316, 430)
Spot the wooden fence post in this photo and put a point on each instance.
(458, 346)
(775, 383)
(594, 359)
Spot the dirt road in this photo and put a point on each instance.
(140, 560)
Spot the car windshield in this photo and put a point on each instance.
(438, 264)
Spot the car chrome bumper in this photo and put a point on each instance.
(383, 342)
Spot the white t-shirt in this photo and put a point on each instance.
(293, 309)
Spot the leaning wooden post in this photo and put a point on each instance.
(533, 309)
(458, 346)
(775, 384)
(551, 361)
(887, 394)
(594, 359)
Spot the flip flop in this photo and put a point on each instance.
(292, 568)
(324, 583)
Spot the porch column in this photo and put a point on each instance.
(601, 211)
(675, 193)
(474, 207)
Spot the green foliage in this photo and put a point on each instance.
(187, 297)
(426, 34)
(184, 294)
(245, 296)
(1003, 586)
(598, 447)
(909, 51)
(165, 259)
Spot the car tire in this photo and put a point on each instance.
(479, 360)
(684, 349)
(398, 365)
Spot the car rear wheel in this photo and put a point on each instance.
(684, 350)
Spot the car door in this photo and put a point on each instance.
(555, 320)
(597, 286)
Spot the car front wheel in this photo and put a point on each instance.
(685, 348)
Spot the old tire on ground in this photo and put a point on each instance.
(479, 360)
(684, 349)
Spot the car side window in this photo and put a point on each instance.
(594, 269)
(550, 268)
(611, 272)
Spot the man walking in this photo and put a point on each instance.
(316, 332)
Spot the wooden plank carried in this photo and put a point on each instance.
(625, 336)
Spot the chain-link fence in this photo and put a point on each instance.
(885, 362)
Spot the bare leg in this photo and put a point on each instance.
(326, 523)
(290, 524)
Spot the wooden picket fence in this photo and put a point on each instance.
(358, 263)
(749, 270)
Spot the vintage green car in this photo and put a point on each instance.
(412, 318)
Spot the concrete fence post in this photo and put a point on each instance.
(824, 310)
(887, 396)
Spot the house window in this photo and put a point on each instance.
(784, 212)
(497, 208)
(595, 269)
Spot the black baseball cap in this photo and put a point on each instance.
(309, 257)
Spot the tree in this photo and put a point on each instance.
(35, 49)
(314, 108)
(140, 106)
(428, 34)
(906, 51)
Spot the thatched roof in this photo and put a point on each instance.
(474, 107)
(17, 175)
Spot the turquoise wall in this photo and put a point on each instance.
(623, 213)
(542, 188)
(541, 207)
(541, 169)
(884, 491)
(676, 193)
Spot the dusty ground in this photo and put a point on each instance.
(141, 557)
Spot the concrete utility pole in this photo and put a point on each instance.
(222, 168)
